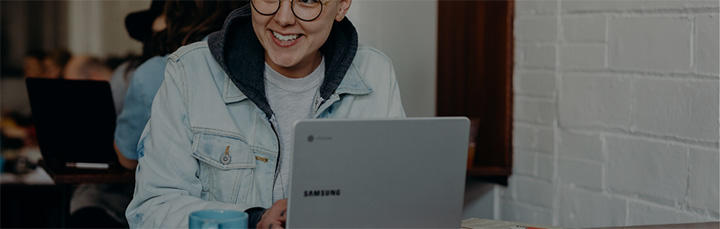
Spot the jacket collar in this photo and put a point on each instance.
(352, 84)
(239, 53)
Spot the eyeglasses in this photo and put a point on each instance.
(305, 10)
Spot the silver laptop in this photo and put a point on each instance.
(378, 173)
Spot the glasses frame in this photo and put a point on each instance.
(292, 2)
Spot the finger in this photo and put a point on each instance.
(276, 225)
(265, 224)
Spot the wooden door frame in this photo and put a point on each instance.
(466, 56)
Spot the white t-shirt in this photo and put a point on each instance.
(291, 100)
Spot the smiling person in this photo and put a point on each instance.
(221, 125)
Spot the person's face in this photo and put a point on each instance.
(52, 70)
(32, 67)
(292, 45)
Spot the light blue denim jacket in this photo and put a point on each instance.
(209, 143)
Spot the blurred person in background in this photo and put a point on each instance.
(86, 68)
(54, 63)
(103, 205)
(185, 22)
(33, 64)
(141, 26)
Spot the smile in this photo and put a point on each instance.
(285, 37)
(285, 40)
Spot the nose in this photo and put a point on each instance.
(285, 16)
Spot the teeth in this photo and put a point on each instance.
(285, 38)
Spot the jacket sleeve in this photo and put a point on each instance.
(167, 188)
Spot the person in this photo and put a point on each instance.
(220, 129)
(103, 205)
(54, 63)
(141, 26)
(185, 22)
(86, 68)
(32, 64)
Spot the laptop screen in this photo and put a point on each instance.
(74, 120)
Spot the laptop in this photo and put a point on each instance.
(378, 173)
(75, 124)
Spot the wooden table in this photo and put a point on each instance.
(497, 224)
(707, 225)
(69, 178)
(96, 178)
(113, 175)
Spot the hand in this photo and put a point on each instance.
(274, 217)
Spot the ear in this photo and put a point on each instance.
(343, 7)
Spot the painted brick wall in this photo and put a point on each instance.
(616, 113)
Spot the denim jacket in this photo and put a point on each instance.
(211, 142)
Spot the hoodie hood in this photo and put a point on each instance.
(241, 55)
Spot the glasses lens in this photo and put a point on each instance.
(266, 6)
(307, 9)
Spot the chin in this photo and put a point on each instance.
(285, 61)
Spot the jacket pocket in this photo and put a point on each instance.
(227, 165)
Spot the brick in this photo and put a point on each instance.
(479, 200)
(604, 5)
(523, 137)
(535, 111)
(657, 44)
(512, 211)
(542, 56)
(517, 212)
(643, 214)
(545, 166)
(678, 5)
(704, 177)
(533, 138)
(543, 217)
(586, 56)
(534, 192)
(537, 83)
(677, 107)
(650, 169)
(595, 100)
(706, 44)
(581, 146)
(504, 191)
(524, 163)
(535, 7)
(581, 173)
(536, 28)
(580, 208)
(545, 141)
(584, 29)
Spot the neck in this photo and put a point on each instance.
(300, 70)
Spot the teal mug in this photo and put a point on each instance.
(217, 219)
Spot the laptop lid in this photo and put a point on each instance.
(74, 120)
(378, 173)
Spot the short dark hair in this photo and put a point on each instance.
(37, 54)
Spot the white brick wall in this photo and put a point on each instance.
(650, 43)
(706, 44)
(616, 113)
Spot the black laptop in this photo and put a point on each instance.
(75, 124)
